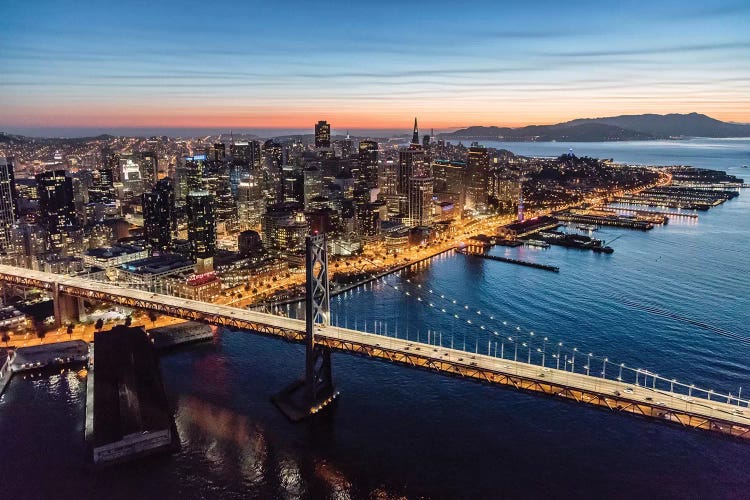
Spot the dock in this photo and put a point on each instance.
(170, 336)
(650, 212)
(48, 355)
(128, 415)
(526, 263)
(605, 220)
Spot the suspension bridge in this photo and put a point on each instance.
(615, 387)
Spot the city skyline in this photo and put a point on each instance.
(95, 66)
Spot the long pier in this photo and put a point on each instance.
(688, 409)
(512, 261)
(649, 212)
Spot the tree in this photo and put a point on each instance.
(5, 337)
(128, 320)
(69, 329)
(247, 287)
(152, 316)
(99, 325)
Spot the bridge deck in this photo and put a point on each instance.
(693, 412)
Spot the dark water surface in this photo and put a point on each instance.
(675, 300)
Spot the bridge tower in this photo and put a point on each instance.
(315, 391)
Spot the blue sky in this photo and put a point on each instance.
(137, 63)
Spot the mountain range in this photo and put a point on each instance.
(612, 128)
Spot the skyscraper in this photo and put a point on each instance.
(368, 163)
(201, 229)
(158, 215)
(149, 169)
(8, 195)
(411, 162)
(415, 135)
(478, 170)
(56, 208)
(420, 200)
(322, 134)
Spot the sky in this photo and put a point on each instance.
(246, 64)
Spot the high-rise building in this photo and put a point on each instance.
(56, 207)
(368, 163)
(478, 170)
(420, 200)
(246, 153)
(313, 184)
(102, 186)
(415, 134)
(322, 134)
(201, 229)
(219, 151)
(189, 177)
(149, 169)
(411, 163)
(158, 215)
(8, 196)
(449, 183)
(284, 228)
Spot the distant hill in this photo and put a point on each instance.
(613, 128)
(20, 139)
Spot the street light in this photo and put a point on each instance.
(588, 364)
(604, 368)
(619, 375)
(559, 346)
(573, 367)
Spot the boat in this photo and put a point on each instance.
(586, 227)
(537, 243)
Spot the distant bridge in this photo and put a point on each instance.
(695, 409)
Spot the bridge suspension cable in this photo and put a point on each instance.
(561, 353)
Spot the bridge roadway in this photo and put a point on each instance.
(695, 412)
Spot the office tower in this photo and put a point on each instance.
(111, 161)
(102, 188)
(347, 147)
(313, 184)
(219, 151)
(478, 170)
(420, 200)
(415, 134)
(449, 183)
(411, 163)
(425, 141)
(149, 170)
(8, 195)
(368, 163)
(284, 228)
(251, 201)
(201, 229)
(189, 176)
(56, 208)
(158, 215)
(130, 175)
(322, 134)
(368, 219)
(246, 153)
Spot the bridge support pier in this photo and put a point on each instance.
(315, 391)
(66, 307)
